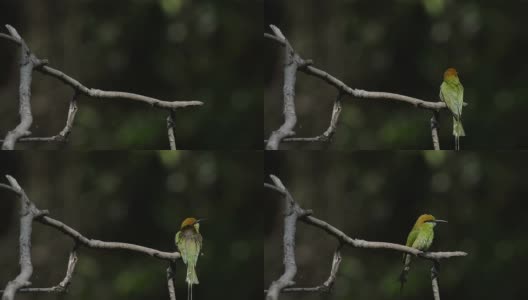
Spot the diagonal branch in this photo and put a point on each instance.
(97, 244)
(293, 61)
(28, 213)
(357, 243)
(29, 62)
(358, 93)
(294, 212)
(47, 70)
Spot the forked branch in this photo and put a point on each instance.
(294, 212)
(29, 62)
(293, 63)
(28, 213)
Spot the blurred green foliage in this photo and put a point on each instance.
(169, 49)
(377, 196)
(403, 46)
(140, 198)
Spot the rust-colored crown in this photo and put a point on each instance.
(424, 218)
(450, 73)
(189, 222)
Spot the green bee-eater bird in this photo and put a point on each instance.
(452, 93)
(189, 242)
(421, 238)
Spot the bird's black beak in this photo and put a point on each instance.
(440, 221)
(200, 220)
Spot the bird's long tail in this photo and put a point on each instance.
(405, 271)
(191, 279)
(458, 131)
(191, 275)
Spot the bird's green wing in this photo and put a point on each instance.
(180, 243)
(453, 96)
(410, 240)
(177, 238)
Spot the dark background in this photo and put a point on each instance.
(139, 198)
(378, 196)
(168, 49)
(403, 46)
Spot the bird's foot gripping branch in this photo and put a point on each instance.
(294, 63)
(29, 63)
(294, 212)
(29, 213)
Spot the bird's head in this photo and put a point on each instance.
(451, 75)
(428, 219)
(191, 222)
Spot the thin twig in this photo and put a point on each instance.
(95, 93)
(326, 287)
(64, 284)
(435, 125)
(435, 269)
(65, 132)
(330, 131)
(170, 280)
(97, 244)
(171, 129)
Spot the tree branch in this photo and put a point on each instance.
(28, 213)
(95, 93)
(327, 285)
(330, 131)
(435, 125)
(357, 243)
(293, 61)
(171, 129)
(97, 244)
(65, 132)
(294, 212)
(435, 269)
(170, 280)
(64, 284)
(28, 63)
